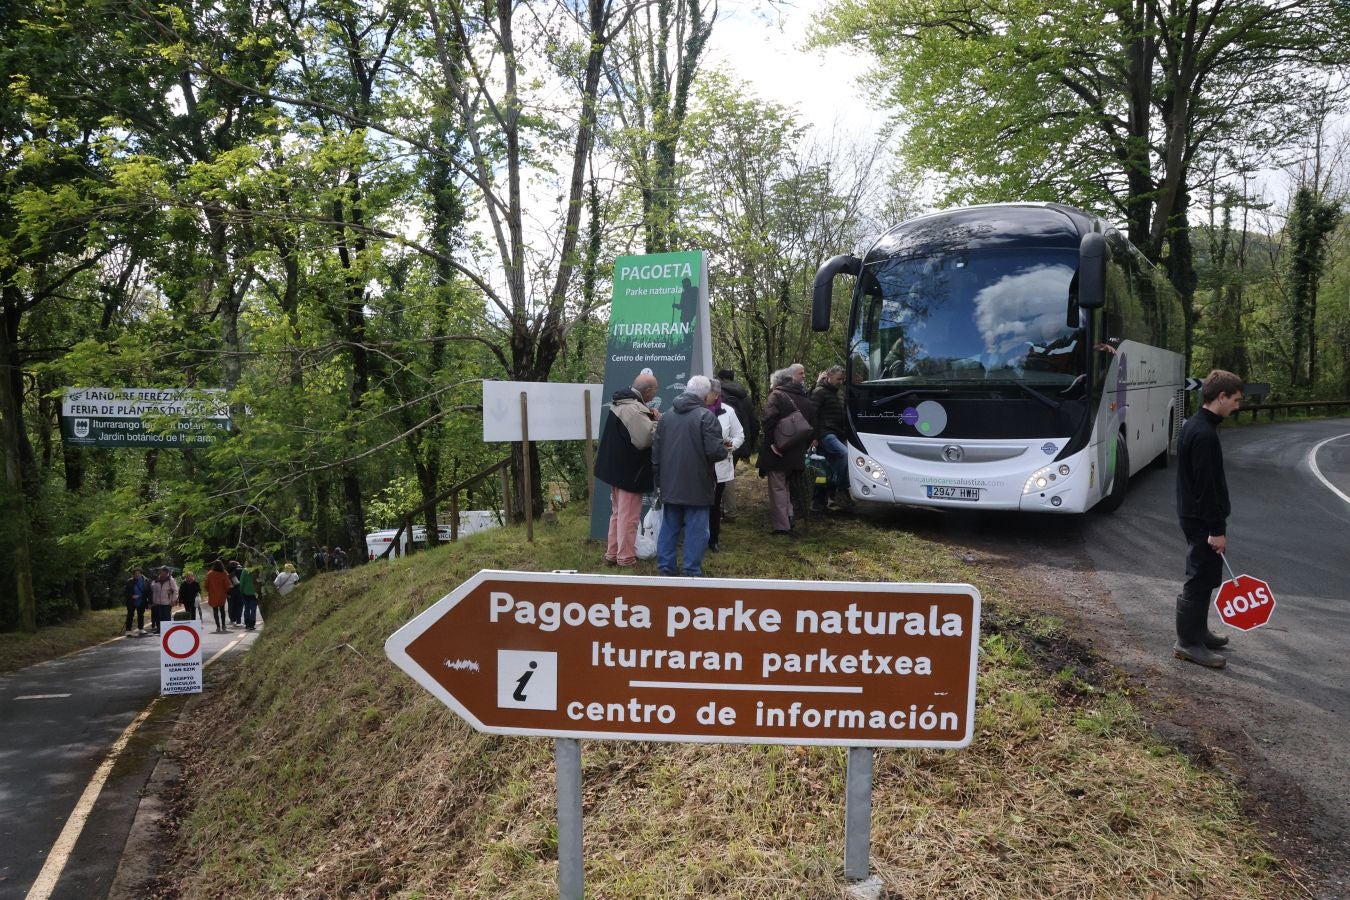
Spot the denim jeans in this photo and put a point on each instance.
(250, 610)
(836, 453)
(693, 520)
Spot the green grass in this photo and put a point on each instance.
(18, 650)
(316, 769)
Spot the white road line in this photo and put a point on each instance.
(736, 686)
(1312, 464)
(222, 651)
(65, 842)
(41, 696)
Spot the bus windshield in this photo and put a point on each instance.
(968, 317)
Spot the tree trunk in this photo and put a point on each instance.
(18, 610)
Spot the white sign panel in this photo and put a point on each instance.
(557, 411)
(180, 658)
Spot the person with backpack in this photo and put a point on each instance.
(249, 592)
(789, 426)
(136, 593)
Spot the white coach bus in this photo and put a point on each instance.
(1011, 356)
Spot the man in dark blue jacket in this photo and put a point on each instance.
(687, 444)
(1203, 508)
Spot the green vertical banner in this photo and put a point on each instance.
(658, 320)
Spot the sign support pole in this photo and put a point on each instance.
(858, 813)
(528, 500)
(590, 461)
(571, 873)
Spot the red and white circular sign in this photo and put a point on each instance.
(1245, 602)
(181, 641)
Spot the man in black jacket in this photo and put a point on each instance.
(830, 439)
(738, 398)
(1203, 508)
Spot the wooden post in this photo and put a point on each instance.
(528, 500)
(590, 460)
(454, 516)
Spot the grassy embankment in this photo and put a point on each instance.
(316, 769)
(18, 650)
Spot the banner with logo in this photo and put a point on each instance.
(144, 417)
(658, 320)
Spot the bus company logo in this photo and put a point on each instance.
(1048, 448)
(82, 428)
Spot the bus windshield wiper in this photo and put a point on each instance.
(909, 393)
(1032, 392)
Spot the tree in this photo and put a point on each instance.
(660, 55)
(1114, 106)
(1311, 223)
(770, 206)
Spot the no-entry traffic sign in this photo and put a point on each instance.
(1245, 602)
(180, 658)
(702, 659)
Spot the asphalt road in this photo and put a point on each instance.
(58, 721)
(1279, 714)
(1286, 690)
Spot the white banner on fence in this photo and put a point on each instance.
(557, 411)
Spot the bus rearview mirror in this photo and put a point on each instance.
(822, 289)
(1091, 271)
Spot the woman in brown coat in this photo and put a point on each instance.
(217, 590)
(779, 463)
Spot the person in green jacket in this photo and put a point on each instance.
(249, 589)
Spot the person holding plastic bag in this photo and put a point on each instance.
(624, 462)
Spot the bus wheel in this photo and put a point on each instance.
(1119, 479)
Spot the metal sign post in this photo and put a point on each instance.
(528, 501)
(571, 871)
(589, 457)
(858, 813)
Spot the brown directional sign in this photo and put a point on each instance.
(702, 659)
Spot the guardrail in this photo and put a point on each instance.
(1256, 408)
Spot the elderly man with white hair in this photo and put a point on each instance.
(685, 450)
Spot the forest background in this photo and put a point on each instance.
(348, 214)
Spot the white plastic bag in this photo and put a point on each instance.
(648, 531)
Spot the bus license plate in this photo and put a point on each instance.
(946, 492)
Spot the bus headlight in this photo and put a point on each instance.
(1044, 479)
(871, 471)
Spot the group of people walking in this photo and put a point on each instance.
(686, 458)
(231, 593)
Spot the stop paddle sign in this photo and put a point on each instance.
(1245, 602)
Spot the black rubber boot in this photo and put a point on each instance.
(1191, 632)
(1211, 640)
(1215, 641)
